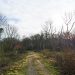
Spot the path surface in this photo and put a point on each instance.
(35, 66)
(31, 67)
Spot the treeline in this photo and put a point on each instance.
(54, 42)
(50, 39)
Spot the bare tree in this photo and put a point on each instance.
(3, 22)
(48, 29)
(49, 33)
(69, 21)
(11, 31)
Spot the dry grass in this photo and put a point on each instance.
(66, 62)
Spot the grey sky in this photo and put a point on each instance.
(29, 15)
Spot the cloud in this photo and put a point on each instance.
(29, 15)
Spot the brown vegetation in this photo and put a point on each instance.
(66, 62)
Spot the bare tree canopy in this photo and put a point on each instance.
(69, 21)
(11, 31)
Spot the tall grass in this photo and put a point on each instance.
(66, 62)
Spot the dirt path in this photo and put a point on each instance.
(41, 68)
(35, 66)
(31, 68)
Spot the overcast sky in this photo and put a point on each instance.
(29, 15)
